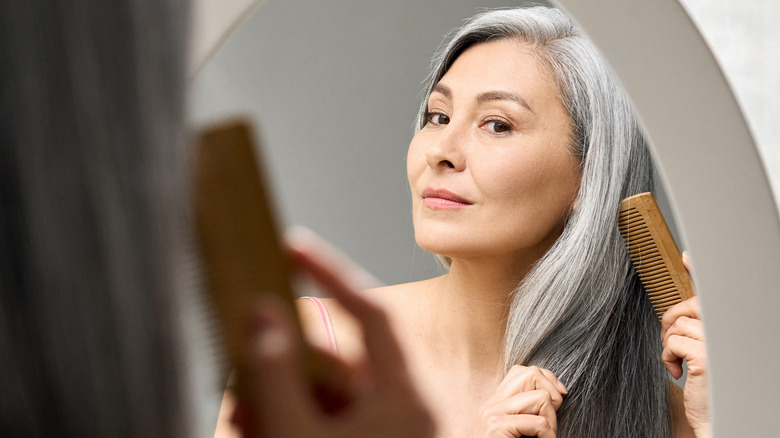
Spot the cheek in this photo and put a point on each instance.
(415, 161)
(538, 189)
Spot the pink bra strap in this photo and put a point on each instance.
(327, 326)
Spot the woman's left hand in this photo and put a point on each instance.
(682, 333)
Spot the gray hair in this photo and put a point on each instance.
(581, 311)
(91, 174)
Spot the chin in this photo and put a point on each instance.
(445, 244)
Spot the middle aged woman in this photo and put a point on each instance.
(540, 327)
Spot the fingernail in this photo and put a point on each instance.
(270, 340)
(561, 386)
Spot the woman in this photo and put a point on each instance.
(525, 146)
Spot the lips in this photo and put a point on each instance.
(443, 199)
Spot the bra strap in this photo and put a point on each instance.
(327, 325)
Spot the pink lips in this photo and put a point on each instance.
(443, 199)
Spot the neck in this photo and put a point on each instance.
(469, 307)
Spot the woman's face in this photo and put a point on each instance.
(492, 173)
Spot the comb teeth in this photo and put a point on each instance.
(653, 252)
(236, 231)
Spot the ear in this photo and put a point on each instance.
(575, 203)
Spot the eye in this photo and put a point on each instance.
(498, 126)
(437, 119)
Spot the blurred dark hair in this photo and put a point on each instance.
(91, 137)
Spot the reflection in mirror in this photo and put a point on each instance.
(336, 110)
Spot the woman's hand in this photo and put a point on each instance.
(375, 397)
(524, 405)
(682, 333)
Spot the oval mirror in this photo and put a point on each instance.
(333, 89)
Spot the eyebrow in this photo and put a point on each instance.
(442, 89)
(488, 96)
(503, 95)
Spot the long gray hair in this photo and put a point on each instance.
(581, 311)
(91, 172)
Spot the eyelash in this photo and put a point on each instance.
(428, 114)
(509, 127)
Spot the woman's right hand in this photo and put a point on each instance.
(524, 404)
(381, 400)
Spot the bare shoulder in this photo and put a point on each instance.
(679, 423)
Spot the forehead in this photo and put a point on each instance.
(506, 64)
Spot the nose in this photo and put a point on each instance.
(446, 150)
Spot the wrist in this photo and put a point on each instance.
(702, 432)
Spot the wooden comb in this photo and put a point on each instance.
(237, 231)
(653, 252)
(240, 249)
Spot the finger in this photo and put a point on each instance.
(556, 381)
(273, 379)
(689, 308)
(333, 381)
(343, 280)
(681, 347)
(537, 402)
(335, 272)
(525, 425)
(302, 240)
(686, 260)
(525, 378)
(688, 327)
(521, 379)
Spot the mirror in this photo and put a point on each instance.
(314, 75)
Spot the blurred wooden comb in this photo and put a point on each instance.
(239, 244)
(241, 252)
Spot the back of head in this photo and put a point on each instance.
(581, 311)
(90, 173)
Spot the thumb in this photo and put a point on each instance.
(272, 381)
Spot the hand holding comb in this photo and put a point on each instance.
(241, 252)
(654, 253)
(242, 258)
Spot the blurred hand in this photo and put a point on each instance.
(374, 397)
(682, 334)
(524, 404)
